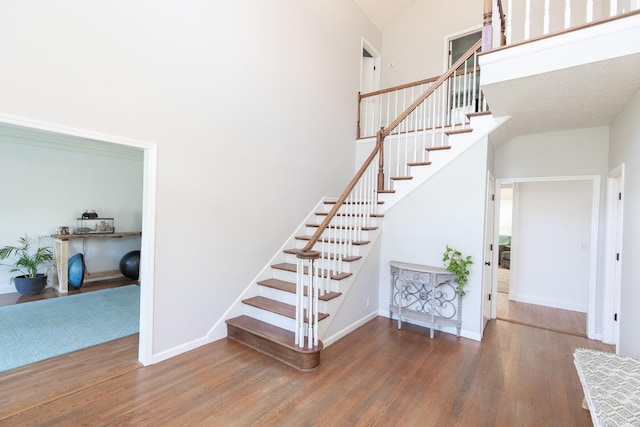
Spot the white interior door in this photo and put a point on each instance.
(613, 261)
(489, 244)
(369, 82)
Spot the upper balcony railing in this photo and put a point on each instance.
(513, 21)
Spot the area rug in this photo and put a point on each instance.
(611, 385)
(39, 330)
(503, 280)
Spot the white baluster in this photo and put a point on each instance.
(567, 14)
(474, 81)
(444, 112)
(545, 29)
(589, 10)
(299, 337)
(613, 7)
(310, 291)
(315, 317)
(527, 19)
(434, 107)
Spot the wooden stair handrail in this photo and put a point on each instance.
(399, 87)
(406, 85)
(431, 89)
(382, 133)
(332, 213)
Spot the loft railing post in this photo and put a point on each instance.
(380, 147)
(487, 26)
(503, 24)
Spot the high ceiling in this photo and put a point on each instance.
(383, 12)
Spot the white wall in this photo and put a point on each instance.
(625, 148)
(415, 42)
(550, 265)
(449, 210)
(43, 189)
(562, 153)
(249, 102)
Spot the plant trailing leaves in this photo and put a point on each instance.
(457, 264)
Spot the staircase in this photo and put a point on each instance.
(269, 320)
(330, 247)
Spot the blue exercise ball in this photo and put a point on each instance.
(130, 265)
(75, 273)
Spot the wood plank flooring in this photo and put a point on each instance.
(16, 298)
(376, 376)
(567, 321)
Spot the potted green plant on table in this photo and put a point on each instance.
(458, 264)
(27, 259)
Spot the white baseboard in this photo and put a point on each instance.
(548, 302)
(327, 341)
(446, 329)
(183, 348)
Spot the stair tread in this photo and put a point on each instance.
(326, 240)
(356, 215)
(286, 266)
(386, 191)
(333, 202)
(342, 228)
(271, 333)
(479, 114)
(401, 178)
(458, 131)
(291, 288)
(419, 164)
(440, 147)
(345, 259)
(277, 307)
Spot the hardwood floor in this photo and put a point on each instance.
(16, 298)
(567, 321)
(376, 376)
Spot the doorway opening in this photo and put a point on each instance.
(369, 68)
(85, 139)
(552, 235)
(458, 44)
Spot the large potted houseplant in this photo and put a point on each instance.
(27, 259)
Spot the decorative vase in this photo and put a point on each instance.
(30, 286)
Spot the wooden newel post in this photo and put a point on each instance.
(380, 146)
(487, 26)
(308, 254)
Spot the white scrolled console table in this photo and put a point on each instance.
(426, 294)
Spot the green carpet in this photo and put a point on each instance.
(35, 331)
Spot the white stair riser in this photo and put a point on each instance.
(287, 297)
(270, 317)
(289, 276)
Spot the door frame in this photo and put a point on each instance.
(149, 206)
(489, 245)
(365, 45)
(593, 241)
(613, 256)
(453, 36)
